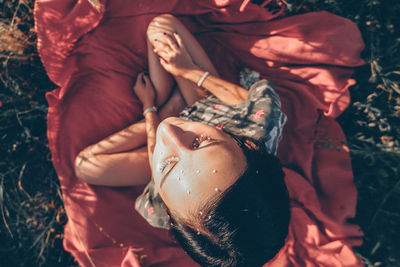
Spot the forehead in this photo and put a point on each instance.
(201, 175)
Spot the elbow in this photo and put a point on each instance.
(80, 167)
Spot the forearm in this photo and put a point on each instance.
(226, 91)
(152, 122)
(133, 136)
(118, 169)
(112, 161)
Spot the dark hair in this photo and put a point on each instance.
(247, 224)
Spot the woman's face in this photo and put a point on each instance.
(193, 162)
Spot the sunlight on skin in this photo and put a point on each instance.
(113, 160)
(169, 25)
(200, 173)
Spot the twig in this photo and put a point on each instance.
(387, 195)
(28, 134)
(2, 207)
(48, 227)
(15, 57)
(15, 14)
(365, 260)
(21, 173)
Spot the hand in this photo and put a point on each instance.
(173, 55)
(144, 90)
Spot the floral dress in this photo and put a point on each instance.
(259, 117)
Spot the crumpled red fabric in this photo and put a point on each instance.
(93, 52)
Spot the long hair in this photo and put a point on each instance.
(247, 224)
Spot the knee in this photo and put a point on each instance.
(163, 19)
(161, 23)
(165, 16)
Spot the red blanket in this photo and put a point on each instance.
(94, 54)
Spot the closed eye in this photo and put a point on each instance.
(169, 164)
(169, 167)
(166, 170)
(210, 143)
(201, 141)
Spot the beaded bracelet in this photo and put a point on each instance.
(147, 110)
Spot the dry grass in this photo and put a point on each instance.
(30, 204)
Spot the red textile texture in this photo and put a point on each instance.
(94, 54)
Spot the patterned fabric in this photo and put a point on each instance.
(151, 206)
(259, 117)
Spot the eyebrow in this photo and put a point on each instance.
(217, 142)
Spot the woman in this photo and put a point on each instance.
(91, 52)
(213, 168)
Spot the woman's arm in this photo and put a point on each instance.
(175, 59)
(122, 159)
(227, 92)
(118, 160)
(145, 92)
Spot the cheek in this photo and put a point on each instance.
(158, 152)
(176, 188)
(176, 200)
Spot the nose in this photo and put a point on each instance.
(174, 138)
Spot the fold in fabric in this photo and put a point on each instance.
(94, 54)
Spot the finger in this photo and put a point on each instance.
(164, 55)
(168, 49)
(146, 79)
(139, 78)
(160, 41)
(163, 63)
(166, 41)
(143, 78)
(171, 42)
(158, 45)
(159, 49)
(178, 39)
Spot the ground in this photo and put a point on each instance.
(31, 208)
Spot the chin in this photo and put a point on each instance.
(173, 120)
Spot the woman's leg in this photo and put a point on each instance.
(167, 23)
(163, 82)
